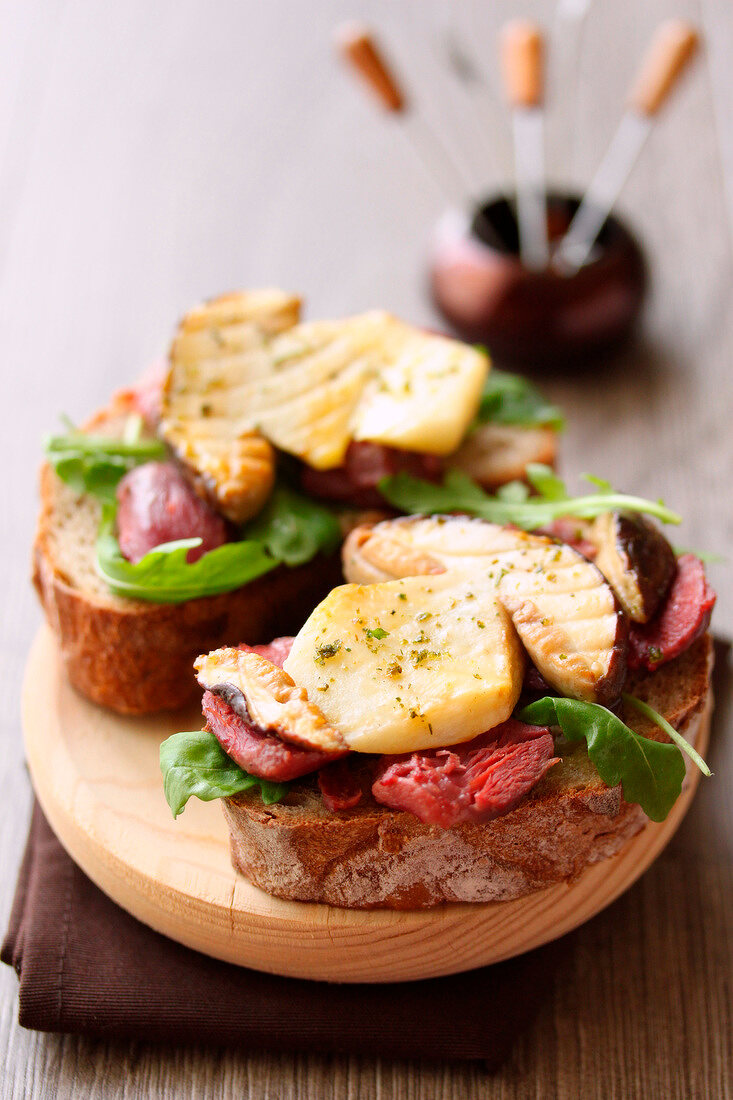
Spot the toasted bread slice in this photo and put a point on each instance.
(370, 856)
(137, 657)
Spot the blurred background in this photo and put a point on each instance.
(155, 157)
(157, 154)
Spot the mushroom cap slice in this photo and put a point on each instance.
(561, 606)
(371, 554)
(312, 388)
(567, 618)
(236, 473)
(493, 454)
(228, 463)
(636, 560)
(418, 663)
(263, 693)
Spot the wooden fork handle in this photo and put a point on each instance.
(522, 62)
(357, 45)
(669, 53)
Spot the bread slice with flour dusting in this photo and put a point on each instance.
(136, 657)
(370, 856)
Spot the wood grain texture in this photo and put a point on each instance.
(154, 155)
(97, 777)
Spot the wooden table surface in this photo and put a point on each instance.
(157, 153)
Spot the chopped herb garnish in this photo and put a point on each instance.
(326, 651)
(377, 633)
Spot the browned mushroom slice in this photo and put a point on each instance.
(235, 472)
(560, 604)
(228, 462)
(264, 694)
(568, 621)
(374, 553)
(636, 560)
(494, 454)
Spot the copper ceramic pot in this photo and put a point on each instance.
(535, 318)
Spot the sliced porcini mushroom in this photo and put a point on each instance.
(229, 463)
(261, 692)
(417, 545)
(560, 604)
(494, 454)
(236, 474)
(636, 560)
(568, 621)
(312, 389)
(374, 553)
(410, 664)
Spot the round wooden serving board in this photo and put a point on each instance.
(97, 778)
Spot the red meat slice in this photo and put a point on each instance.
(157, 505)
(364, 466)
(276, 651)
(258, 752)
(339, 786)
(473, 782)
(683, 617)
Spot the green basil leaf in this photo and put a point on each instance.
(459, 494)
(164, 576)
(195, 764)
(293, 528)
(511, 399)
(650, 772)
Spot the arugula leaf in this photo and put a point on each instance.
(661, 721)
(650, 772)
(459, 493)
(164, 576)
(195, 764)
(95, 463)
(293, 528)
(512, 399)
(709, 557)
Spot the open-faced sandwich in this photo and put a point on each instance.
(508, 688)
(209, 503)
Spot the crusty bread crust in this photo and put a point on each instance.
(137, 657)
(371, 857)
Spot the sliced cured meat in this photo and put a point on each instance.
(276, 651)
(157, 505)
(684, 616)
(259, 753)
(473, 782)
(339, 786)
(365, 464)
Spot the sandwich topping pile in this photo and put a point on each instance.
(493, 626)
(244, 452)
(444, 679)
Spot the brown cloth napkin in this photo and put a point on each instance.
(86, 966)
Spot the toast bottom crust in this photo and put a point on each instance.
(371, 857)
(138, 658)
